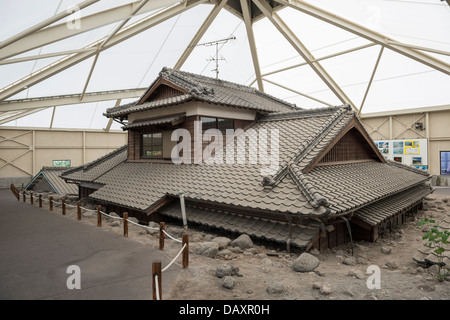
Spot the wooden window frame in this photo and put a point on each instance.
(141, 153)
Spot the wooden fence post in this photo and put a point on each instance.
(125, 224)
(63, 204)
(79, 210)
(50, 202)
(99, 216)
(156, 271)
(31, 197)
(185, 256)
(24, 196)
(40, 201)
(162, 227)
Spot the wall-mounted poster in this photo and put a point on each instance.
(383, 146)
(412, 147)
(61, 163)
(412, 152)
(398, 147)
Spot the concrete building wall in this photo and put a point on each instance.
(24, 151)
(400, 124)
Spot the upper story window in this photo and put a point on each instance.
(152, 145)
(217, 123)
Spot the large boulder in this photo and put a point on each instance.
(243, 242)
(207, 249)
(305, 263)
(223, 242)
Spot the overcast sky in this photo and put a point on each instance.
(399, 82)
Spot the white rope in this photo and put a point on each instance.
(167, 267)
(171, 236)
(157, 287)
(109, 216)
(142, 226)
(70, 206)
(94, 210)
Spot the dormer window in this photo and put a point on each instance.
(152, 145)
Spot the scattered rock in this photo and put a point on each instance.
(242, 242)
(386, 250)
(433, 270)
(115, 223)
(236, 249)
(223, 242)
(326, 288)
(361, 260)
(356, 273)
(207, 249)
(339, 253)
(154, 228)
(228, 282)
(315, 252)
(305, 263)
(275, 288)
(350, 261)
(227, 270)
(88, 214)
(225, 253)
(391, 264)
(316, 285)
(426, 287)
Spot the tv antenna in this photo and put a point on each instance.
(216, 58)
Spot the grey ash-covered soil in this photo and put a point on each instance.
(266, 273)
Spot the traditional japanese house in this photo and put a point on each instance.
(330, 183)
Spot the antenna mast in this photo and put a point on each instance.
(216, 59)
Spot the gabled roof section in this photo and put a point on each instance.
(358, 140)
(201, 88)
(49, 180)
(162, 89)
(95, 169)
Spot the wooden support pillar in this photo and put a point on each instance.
(99, 216)
(79, 210)
(40, 201)
(125, 224)
(63, 206)
(31, 198)
(156, 271)
(185, 257)
(162, 227)
(24, 196)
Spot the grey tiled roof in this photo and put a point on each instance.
(53, 176)
(379, 211)
(91, 171)
(303, 135)
(349, 186)
(254, 227)
(209, 90)
(152, 122)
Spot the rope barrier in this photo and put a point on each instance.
(171, 237)
(173, 260)
(157, 288)
(142, 226)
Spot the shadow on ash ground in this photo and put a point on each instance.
(261, 268)
(264, 268)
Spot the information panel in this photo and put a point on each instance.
(412, 152)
